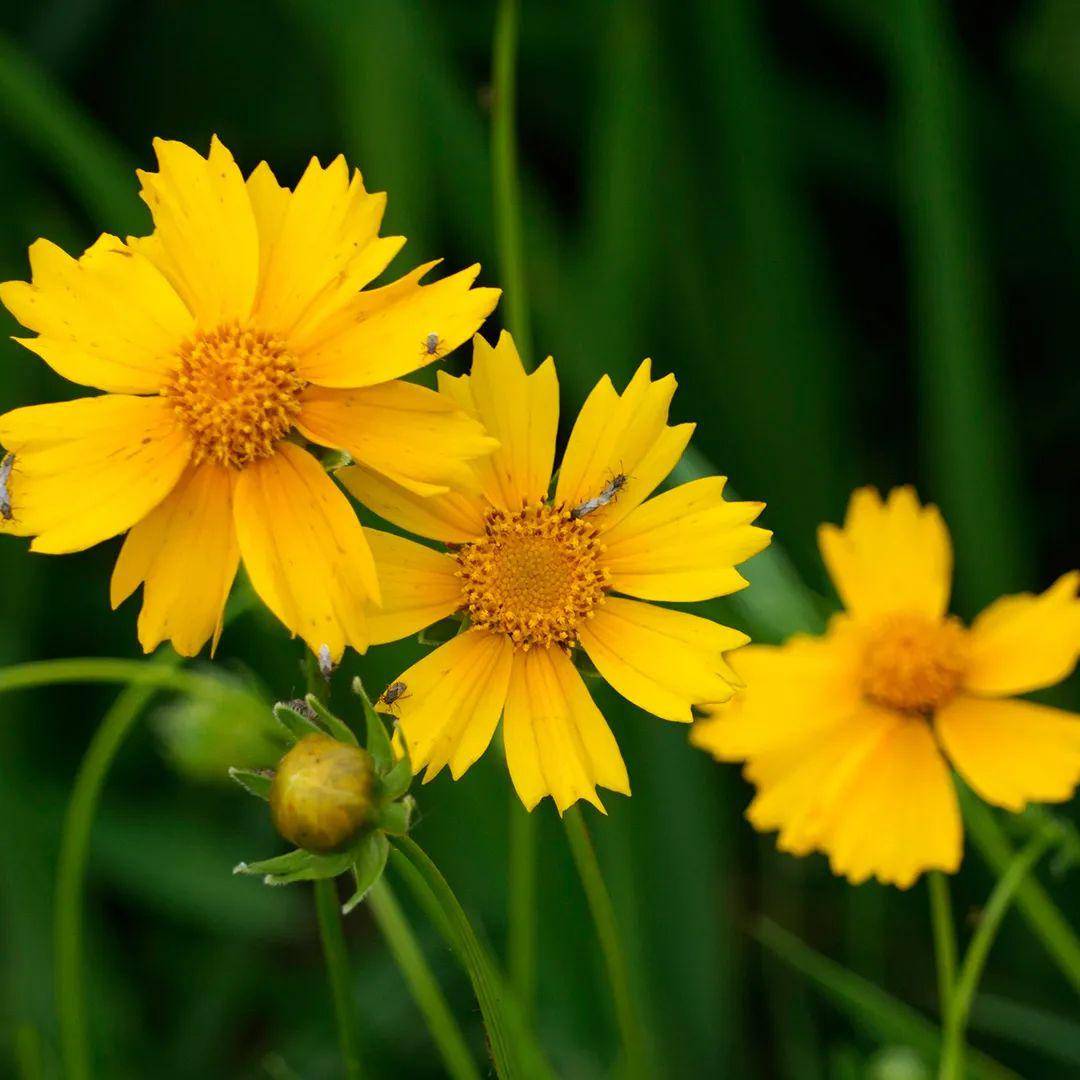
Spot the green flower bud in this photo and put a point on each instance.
(323, 794)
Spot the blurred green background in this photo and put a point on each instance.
(852, 229)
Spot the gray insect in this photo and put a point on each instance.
(394, 693)
(326, 664)
(608, 494)
(431, 345)
(5, 495)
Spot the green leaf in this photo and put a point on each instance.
(338, 728)
(378, 741)
(255, 781)
(397, 779)
(279, 864)
(299, 865)
(371, 855)
(395, 817)
(296, 723)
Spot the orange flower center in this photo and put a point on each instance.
(914, 663)
(534, 576)
(237, 392)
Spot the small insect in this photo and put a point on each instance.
(431, 345)
(394, 693)
(326, 664)
(5, 495)
(608, 494)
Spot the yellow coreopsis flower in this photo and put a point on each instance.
(848, 737)
(233, 333)
(539, 577)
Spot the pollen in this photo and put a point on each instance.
(534, 576)
(913, 663)
(237, 391)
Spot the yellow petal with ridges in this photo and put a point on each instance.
(87, 470)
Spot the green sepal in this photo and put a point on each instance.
(395, 817)
(396, 780)
(338, 728)
(279, 864)
(439, 633)
(299, 865)
(295, 723)
(378, 741)
(371, 854)
(255, 781)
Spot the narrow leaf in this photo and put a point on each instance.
(319, 868)
(255, 781)
(378, 741)
(338, 728)
(279, 864)
(294, 718)
(370, 863)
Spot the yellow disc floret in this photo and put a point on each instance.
(322, 794)
(535, 575)
(237, 392)
(914, 663)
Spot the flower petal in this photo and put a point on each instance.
(419, 587)
(319, 245)
(409, 434)
(1023, 643)
(892, 556)
(899, 816)
(453, 700)
(186, 553)
(204, 239)
(663, 661)
(304, 549)
(684, 544)
(86, 470)
(381, 334)
(108, 319)
(557, 742)
(521, 411)
(1012, 752)
(453, 518)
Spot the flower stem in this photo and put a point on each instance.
(505, 181)
(425, 990)
(71, 872)
(1032, 900)
(521, 943)
(332, 933)
(453, 919)
(944, 938)
(956, 1014)
(607, 931)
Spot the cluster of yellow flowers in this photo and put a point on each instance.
(246, 366)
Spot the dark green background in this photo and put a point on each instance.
(851, 228)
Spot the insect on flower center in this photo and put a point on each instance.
(237, 391)
(914, 663)
(535, 576)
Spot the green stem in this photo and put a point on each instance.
(944, 937)
(521, 875)
(107, 670)
(71, 869)
(959, 1008)
(505, 175)
(607, 931)
(486, 981)
(1032, 900)
(332, 933)
(425, 990)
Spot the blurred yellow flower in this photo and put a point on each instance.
(538, 578)
(848, 737)
(235, 331)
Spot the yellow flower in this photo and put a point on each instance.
(235, 331)
(537, 578)
(848, 737)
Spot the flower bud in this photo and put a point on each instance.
(322, 794)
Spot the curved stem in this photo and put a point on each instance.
(328, 908)
(956, 1015)
(505, 174)
(607, 930)
(425, 990)
(507, 1045)
(107, 670)
(71, 873)
(944, 937)
(1032, 900)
